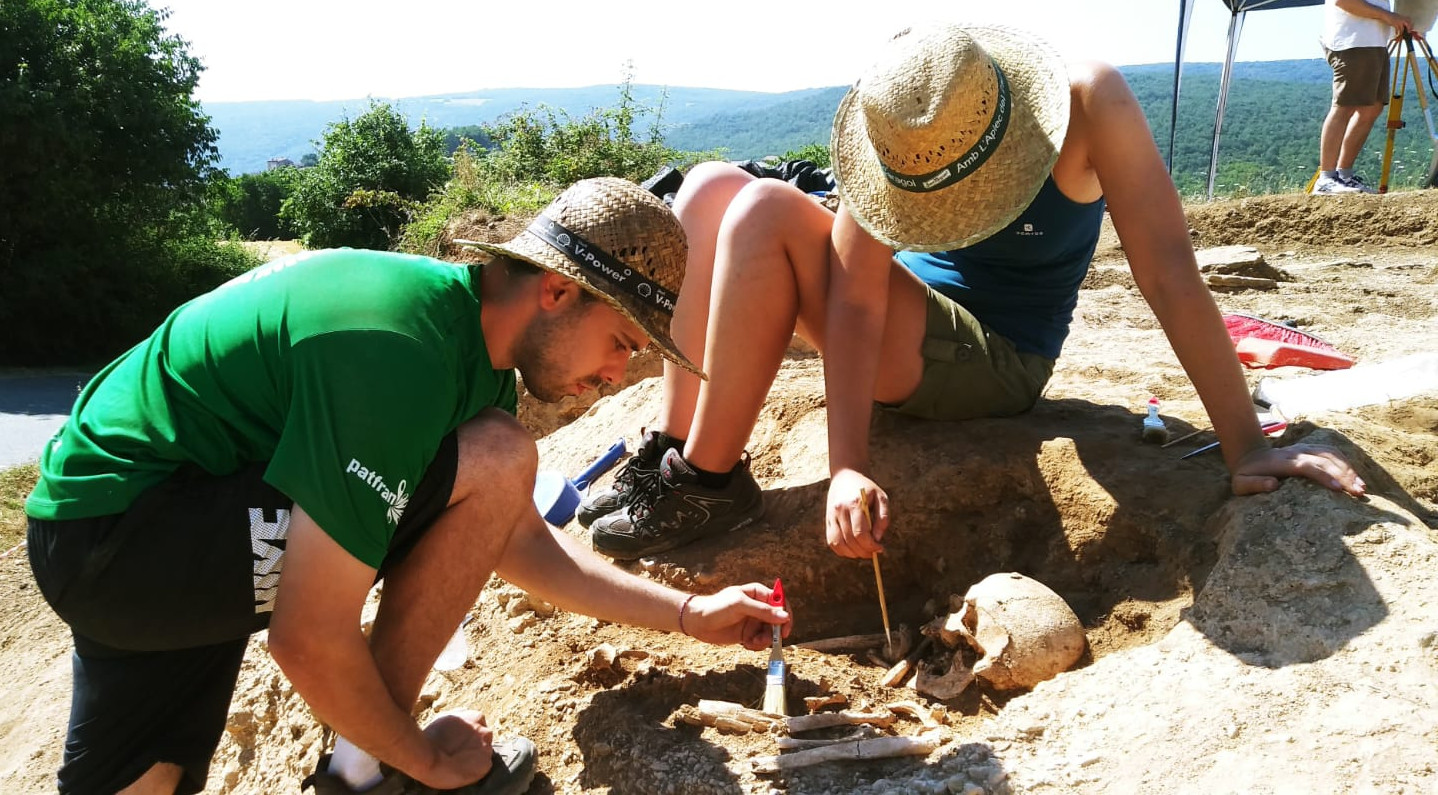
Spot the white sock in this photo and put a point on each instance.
(359, 770)
(1330, 174)
(1345, 173)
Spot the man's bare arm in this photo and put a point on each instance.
(316, 639)
(552, 565)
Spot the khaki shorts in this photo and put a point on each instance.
(971, 371)
(1360, 76)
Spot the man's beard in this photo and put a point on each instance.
(539, 354)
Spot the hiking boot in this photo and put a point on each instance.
(643, 465)
(1355, 181)
(513, 770)
(674, 509)
(1327, 186)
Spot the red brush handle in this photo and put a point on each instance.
(776, 598)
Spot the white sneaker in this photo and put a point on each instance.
(1356, 181)
(1332, 185)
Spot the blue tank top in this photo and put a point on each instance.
(1023, 280)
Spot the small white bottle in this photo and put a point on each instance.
(1154, 431)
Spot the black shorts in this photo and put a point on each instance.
(162, 600)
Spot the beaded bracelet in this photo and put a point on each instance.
(682, 607)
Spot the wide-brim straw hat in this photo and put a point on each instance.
(949, 134)
(615, 240)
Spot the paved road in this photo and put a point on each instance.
(32, 408)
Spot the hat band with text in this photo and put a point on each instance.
(969, 161)
(598, 261)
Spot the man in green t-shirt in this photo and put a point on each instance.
(280, 443)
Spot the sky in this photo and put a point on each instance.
(327, 50)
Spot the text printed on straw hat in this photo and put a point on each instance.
(967, 162)
(598, 261)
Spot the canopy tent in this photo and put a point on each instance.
(1238, 8)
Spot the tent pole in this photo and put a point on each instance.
(1185, 16)
(1235, 30)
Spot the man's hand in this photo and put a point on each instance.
(464, 749)
(1259, 470)
(1402, 25)
(852, 529)
(737, 614)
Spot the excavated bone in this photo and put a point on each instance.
(1024, 631)
(947, 686)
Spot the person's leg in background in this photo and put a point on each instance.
(1360, 88)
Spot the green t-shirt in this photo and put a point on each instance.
(342, 369)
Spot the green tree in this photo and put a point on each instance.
(372, 175)
(249, 205)
(455, 137)
(103, 158)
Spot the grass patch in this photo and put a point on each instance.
(16, 484)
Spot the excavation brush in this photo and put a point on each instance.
(774, 681)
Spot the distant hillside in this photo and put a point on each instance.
(253, 132)
(1269, 141)
(755, 132)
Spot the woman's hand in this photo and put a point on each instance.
(857, 516)
(1260, 469)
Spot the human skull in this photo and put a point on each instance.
(1025, 632)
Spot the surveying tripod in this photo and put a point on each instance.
(1405, 60)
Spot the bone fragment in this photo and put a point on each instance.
(823, 720)
(902, 667)
(947, 686)
(794, 743)
(903, 643)
(844, 643)
(953, 630)
(914, 709)
(727, 716)
(816, 703)
(876, 748)
(725, 723)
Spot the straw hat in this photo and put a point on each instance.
(949, 134)
(615, 240)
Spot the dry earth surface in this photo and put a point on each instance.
(1280, 643)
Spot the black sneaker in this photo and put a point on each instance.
(643, 465)
(674, 510)
(513, 770)
(1355, 181)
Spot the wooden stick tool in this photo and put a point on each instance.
(878, 577)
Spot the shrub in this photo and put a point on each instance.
(249, 205)
(372, 175)
(535, 153)
(818, 154)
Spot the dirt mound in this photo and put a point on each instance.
(1309, 224)
(1280, 641)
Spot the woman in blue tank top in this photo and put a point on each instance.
(987, 163)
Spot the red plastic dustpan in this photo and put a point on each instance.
(1263, 343)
